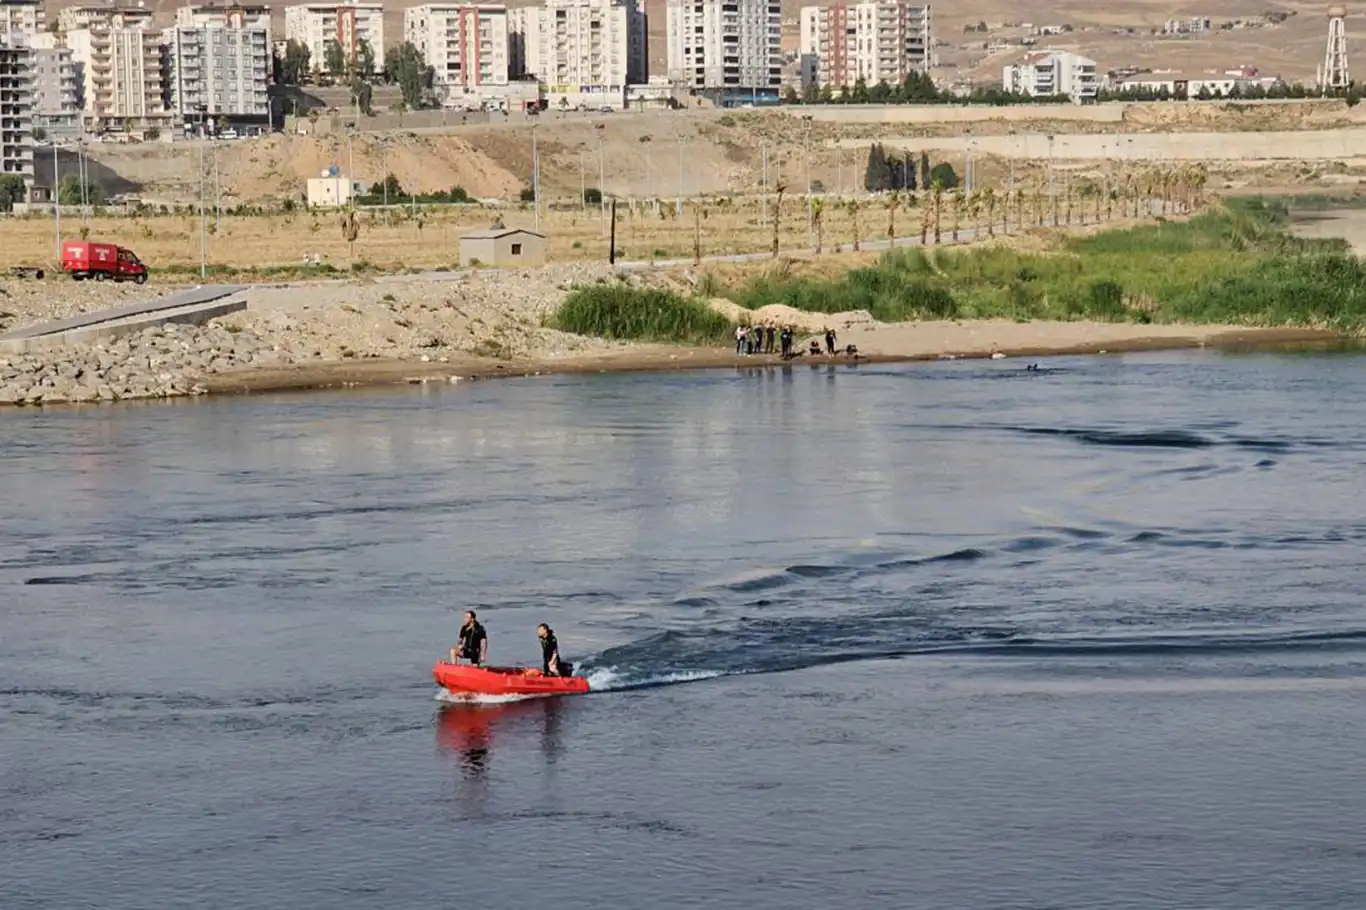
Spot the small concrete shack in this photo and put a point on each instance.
(502, 247)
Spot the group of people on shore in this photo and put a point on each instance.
(762, 337)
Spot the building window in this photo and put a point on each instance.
(516, 249)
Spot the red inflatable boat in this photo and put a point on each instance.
(469, 680)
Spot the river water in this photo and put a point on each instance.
(944, 635)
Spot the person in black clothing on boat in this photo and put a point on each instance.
(474, 642)
(551, 664)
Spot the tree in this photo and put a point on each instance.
(72, 192)
(362, 95)
(811, 93)
(389, 187)
(777, 216)
(853, 207)
(893, 203)
(12, 190)
(790, 96)
(405, 66)
(294, 65)
(334, 59)
(365, 59)
(818, 223)
(350, 230)
(878, 176)
(944, 175)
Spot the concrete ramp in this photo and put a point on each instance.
(195, 306)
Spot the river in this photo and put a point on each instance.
(924, 636)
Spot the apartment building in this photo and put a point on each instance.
(878, 41)
(1053, 73)
(217, 74)
(56, 85)
(466, 45)
(20, 23)
(316, 25)
(76, 18)
(234, 16)
(120, 66)
(727, 50)
(584, 52)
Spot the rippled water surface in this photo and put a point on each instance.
(939, 636)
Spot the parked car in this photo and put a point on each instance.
(84, 259)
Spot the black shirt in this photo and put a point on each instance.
(550, 650)
(472, 638)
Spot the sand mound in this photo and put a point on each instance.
(785, 315)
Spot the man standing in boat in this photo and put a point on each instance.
(474, 642)
(551, 665)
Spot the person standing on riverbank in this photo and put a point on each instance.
(739, 339)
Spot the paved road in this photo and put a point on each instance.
(203, 294)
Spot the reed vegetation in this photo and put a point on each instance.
(625, 313)
(1239, 264)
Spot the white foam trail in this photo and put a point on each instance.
(609, 679)
(450, 698)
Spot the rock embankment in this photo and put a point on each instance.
(497, 315)
(159, 362)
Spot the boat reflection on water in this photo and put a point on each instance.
(469, 729)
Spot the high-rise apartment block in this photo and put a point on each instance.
(217, 74)
(317, 25)
(56, 86)
(20, 22)
(75, 18)
(231, 16)
(727, 50)
(585, 52)
(877, 41)
(121, 67)
(467, 46)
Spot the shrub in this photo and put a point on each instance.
(625, 313)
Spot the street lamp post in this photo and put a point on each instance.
(217, 193)
(203, 222)
(57, 199)
(583, 183)
(602, 177)
(679, 210)
(535, 178)
(806, 151)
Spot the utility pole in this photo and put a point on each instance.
(203, 226)
(583, 184)
(763, 184)
(57, 199)
(810, 212)
(535, 178)
(384, 171)
(217, 194)
(679, 210)
(602, 178)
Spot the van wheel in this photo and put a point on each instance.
(77, 276)
(141, 279)
(99, 276)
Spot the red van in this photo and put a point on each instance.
(100, 261)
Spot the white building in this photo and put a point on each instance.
(583, 52)
(56, 85)
(316, 25)
(226, 17)
(727, 50)
(877, 41)
(467, 46)
(217, 75)
(121, 73)
(75, 18)
(1051, 73)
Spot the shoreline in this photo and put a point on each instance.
(662, 358)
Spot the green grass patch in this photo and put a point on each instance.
(623, 313)
(1238, 265)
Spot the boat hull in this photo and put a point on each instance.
(467, 680)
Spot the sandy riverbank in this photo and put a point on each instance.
(884, 344)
